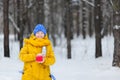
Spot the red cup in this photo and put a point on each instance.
(39, 58)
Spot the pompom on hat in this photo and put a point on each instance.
(39, 27)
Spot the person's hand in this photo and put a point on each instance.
(40, 58)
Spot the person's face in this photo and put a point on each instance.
(40, 34)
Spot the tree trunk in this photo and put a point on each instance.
(14, 10)
(90, 20)
(84, 20)
(68, 14)
(116, 33)
(98, 16)
(20, 21)
(52, 20)
(6, 27)
(18, 17)
(78, 23)
(68, 27)
(116, 55)
(40, 11)
(90, 24)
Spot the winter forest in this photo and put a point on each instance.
(85, 35)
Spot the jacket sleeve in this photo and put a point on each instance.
(25, 56)
(50, 57)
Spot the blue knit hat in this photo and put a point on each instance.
(39, 27)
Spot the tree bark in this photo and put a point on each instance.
(6, 27)
(116, 33)
(78, 23)
(20, 21)
(98, 16)
(84, 20)
(40, 11)
(116, 55)
(91, 13)
(18, 17)
(68, 27)
(52, 20)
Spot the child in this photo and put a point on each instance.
(37, 65)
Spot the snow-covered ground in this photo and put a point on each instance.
(82, 66)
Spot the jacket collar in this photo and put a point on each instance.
(36, 41)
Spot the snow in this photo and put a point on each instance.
(97, 17)
(82, 66)
(116, 27)
(90, 3)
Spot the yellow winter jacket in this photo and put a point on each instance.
(33, 70)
